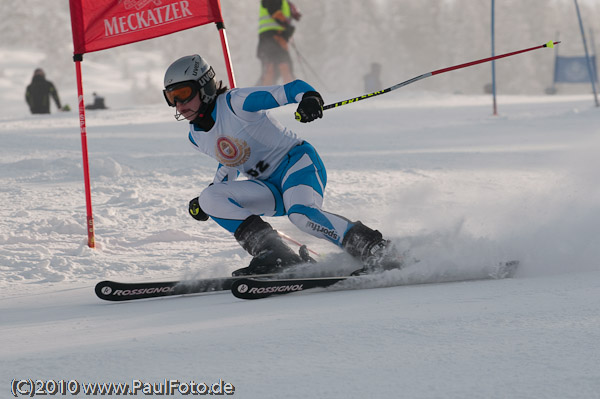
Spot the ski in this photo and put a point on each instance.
(253, 288)
(250, 288)
(117, 291)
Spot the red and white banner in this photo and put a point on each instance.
(102, 24)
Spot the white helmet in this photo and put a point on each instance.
(193, 68)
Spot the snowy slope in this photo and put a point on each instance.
(438, 174)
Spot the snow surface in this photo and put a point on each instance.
(436, 173)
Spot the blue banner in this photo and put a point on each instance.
(574, 70)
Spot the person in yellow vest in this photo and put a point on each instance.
(274, 31)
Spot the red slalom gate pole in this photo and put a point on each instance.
(86, 169)
(225, 46)
(550, 44)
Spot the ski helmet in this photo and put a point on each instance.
(193, 68)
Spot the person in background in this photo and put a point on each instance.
(98, 102)
(284, 173)
(274, 32)
(38, 93)
(373, 78)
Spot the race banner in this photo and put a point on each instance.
(102, 24)
(574, 69)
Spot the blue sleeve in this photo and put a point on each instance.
(263, 98)
(293, 89)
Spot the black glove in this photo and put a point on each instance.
(310, 108)
(196, 212)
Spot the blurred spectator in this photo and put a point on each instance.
(98, 103)
(274, 32)
(38, 93)
(373, 78)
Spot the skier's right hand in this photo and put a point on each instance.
(310, 108)
(196, 212)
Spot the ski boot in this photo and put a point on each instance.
(376, 253)
(270, 253)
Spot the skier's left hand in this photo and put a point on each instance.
(310, 108)
(196, 212)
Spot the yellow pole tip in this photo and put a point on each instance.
(550, 44)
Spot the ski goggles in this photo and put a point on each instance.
(180, 93)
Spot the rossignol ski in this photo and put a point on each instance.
(117, 291)
(256, 286)
(252, 288)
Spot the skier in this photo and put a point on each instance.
(285, 175)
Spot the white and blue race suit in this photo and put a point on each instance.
(285, 175)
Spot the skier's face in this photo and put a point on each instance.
(189, 109)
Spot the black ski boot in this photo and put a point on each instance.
(369, 246)
(271, 254)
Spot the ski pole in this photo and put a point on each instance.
(550, 44)
(290, 239)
